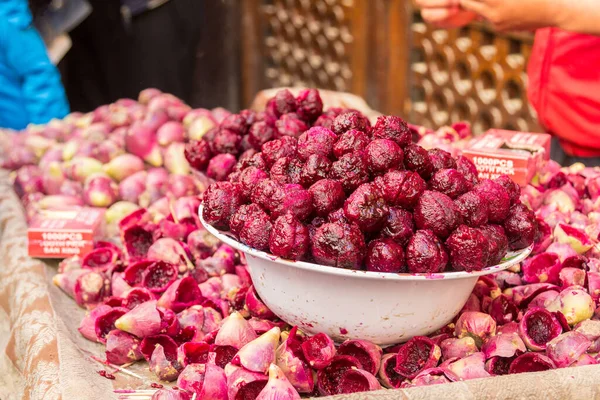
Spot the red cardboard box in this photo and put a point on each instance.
(64, 233)
(516, 154)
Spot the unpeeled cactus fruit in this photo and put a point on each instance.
(123, 166)
(100, 191)
(141, 141)
(575, 304)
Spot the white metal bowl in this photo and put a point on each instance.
(384, 308)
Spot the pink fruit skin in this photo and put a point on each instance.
(182, 294)
(259, 354)
(122, 348)
(256, 307)
(235, 331)
(278, 387)
(367, 353)
(471, 367)
(566, 348)
(537, 327)
(87, 327)
(319, 350)
(296, 370)
(504, 345)
(542, 268)
(90, 288)
(162, 365)
(241, 381)
(477, 325)
(144, 320)
(458, 348)
(387, 376)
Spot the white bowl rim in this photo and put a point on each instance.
(511, 258)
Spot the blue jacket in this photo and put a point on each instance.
(31, 90)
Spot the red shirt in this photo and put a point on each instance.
(564, 88)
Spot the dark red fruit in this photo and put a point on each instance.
(198, 154)
(259, 134)
(514, 191)
(350, 119)
(383, 155)
(249, 178)
(275, 149)
(472, 209)
(316, 140)
(367, 208)
(349, 142)
(339, 245)
(296, 200)
(290, 125)
(399, 225)
(468, 248)
(310, 105)
(268, 194)
(425, 253)
(220, 166)
(236, 123)
(221, 201)
(289, 238)
(286, 170)
(328, 195)
(251, 158)
(468, 169)
(498, 242)
(417, 159)
(242, 215)
(448, 181)
(520, 227)
(326, 119)
(351, 170)
(441, 159)
(226, 141)
(392, 128)
(437, 212)
(256, 230)
(284, 102)
(401, 188)
(497, 199)
(385, 255)
(317, 167)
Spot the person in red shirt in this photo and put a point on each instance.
(564, 66)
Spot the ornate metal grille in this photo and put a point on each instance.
(469, 74)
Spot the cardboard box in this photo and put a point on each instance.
(64, 233)
(516, 154)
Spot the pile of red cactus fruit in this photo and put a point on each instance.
(365, 197)
(189, 309)
(119, 156)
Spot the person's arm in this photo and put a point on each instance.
(444, 13)
(43, 93)
(578, 16)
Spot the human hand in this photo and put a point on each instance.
(515, 14)
(444, 13)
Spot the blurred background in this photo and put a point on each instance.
(378, 49)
